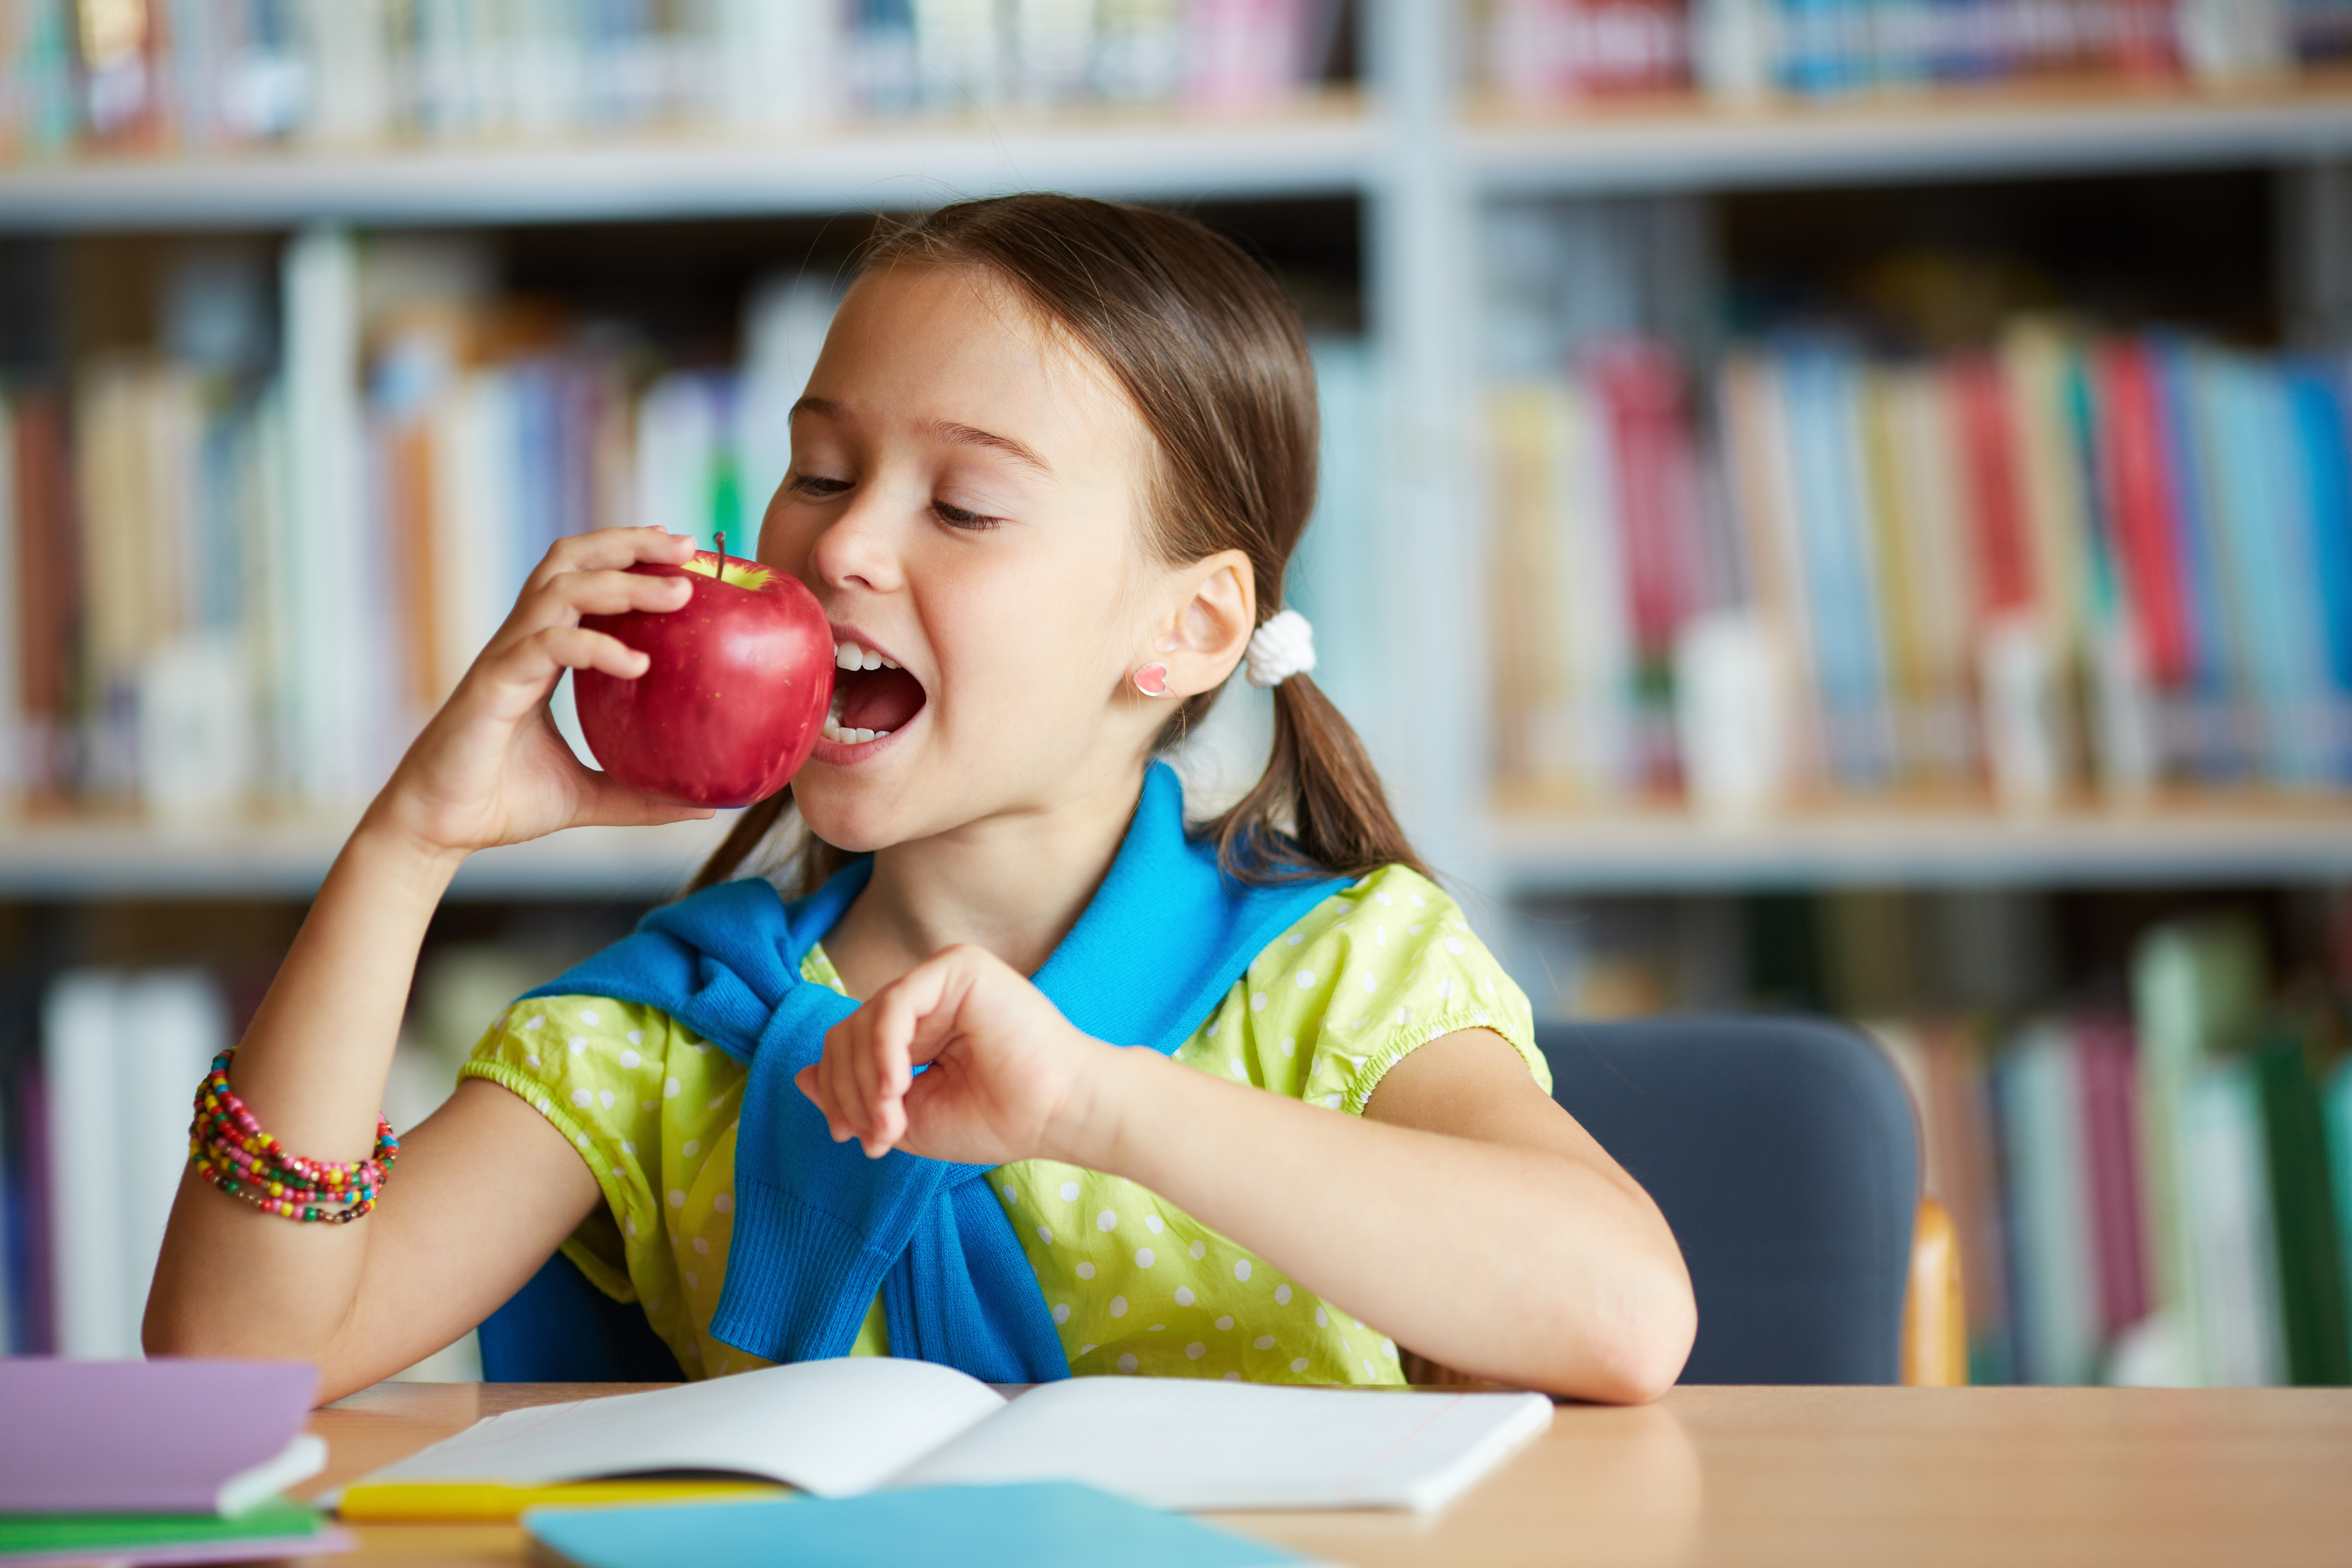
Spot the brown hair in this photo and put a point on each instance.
(1210, 351)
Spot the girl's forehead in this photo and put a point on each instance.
(931, 342)
(952, 315)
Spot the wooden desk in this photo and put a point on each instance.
(1804, 1477)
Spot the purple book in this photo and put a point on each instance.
(152, 1436)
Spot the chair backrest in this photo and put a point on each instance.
(561, 1328)
(1785, 1153)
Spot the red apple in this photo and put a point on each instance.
(736, 694)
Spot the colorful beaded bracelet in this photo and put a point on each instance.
(229, 1150)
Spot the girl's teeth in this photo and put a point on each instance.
(849, 656)
(850, 737)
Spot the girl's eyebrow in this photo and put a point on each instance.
(942, 430)
(966, 436)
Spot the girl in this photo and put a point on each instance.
(1044, 482)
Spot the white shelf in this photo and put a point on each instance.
(1325, 148)
(1946, 135)
(2170, 846)
(92, 860)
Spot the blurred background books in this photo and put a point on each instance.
(1823, 504)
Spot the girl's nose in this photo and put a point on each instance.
(858, 550)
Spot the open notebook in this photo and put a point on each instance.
(838, 1429)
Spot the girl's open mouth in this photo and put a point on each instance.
(872, 696)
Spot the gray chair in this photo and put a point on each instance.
(1785, 1153)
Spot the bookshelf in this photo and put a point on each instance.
(1328, 142)
(71, 858)
(2168, 843)
(1677, 141)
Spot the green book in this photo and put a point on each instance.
(2311, 1273)
(274, 1529)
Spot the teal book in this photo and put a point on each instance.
(2053, 1242)
(2335, 1122)
(1052, 1524)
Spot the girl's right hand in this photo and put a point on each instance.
(490, 767)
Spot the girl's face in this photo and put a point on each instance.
(965, 501)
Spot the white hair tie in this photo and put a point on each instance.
(1281, 648)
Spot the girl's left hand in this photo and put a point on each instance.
(1010, 1079)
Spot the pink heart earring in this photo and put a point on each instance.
(1151, 680)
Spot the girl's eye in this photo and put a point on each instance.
(957, 516)
(817, 485)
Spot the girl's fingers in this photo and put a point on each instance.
(811, 1082)
(884, 1072)
(562, 599)
(611, 549)
(879, 1122)
(841, 1050)
(615, 593)
(536, 659)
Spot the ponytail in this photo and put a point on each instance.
(1318, 808)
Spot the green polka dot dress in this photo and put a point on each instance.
(1135, 1285)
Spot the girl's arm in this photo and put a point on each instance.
(1465, 1213)
(485, 1188)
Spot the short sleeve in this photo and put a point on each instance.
(594, 1068)
(1371, 975)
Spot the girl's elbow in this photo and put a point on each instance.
(1660, 1349)
(1643, 1342)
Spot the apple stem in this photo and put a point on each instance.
(719, 570)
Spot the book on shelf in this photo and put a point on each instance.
(121, 1054)
(2155, 1197)
(1539, 53)
(204, 77)
(2068, 561)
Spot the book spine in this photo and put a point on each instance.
(37, 1296)
(79, 1056)
(1763, 495)
(2317, 397)
(2310, 1265)
(2138, 511)
(2335, 1117)
(1530, 678)
(2211, 704)
(2041, 1120)
(2234, 1241)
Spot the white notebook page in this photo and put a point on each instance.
(1187, 1444)
(833, 1427)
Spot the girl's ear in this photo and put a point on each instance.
(1209, 625)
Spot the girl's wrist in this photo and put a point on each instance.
(382, 847)
(1092, 1129)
